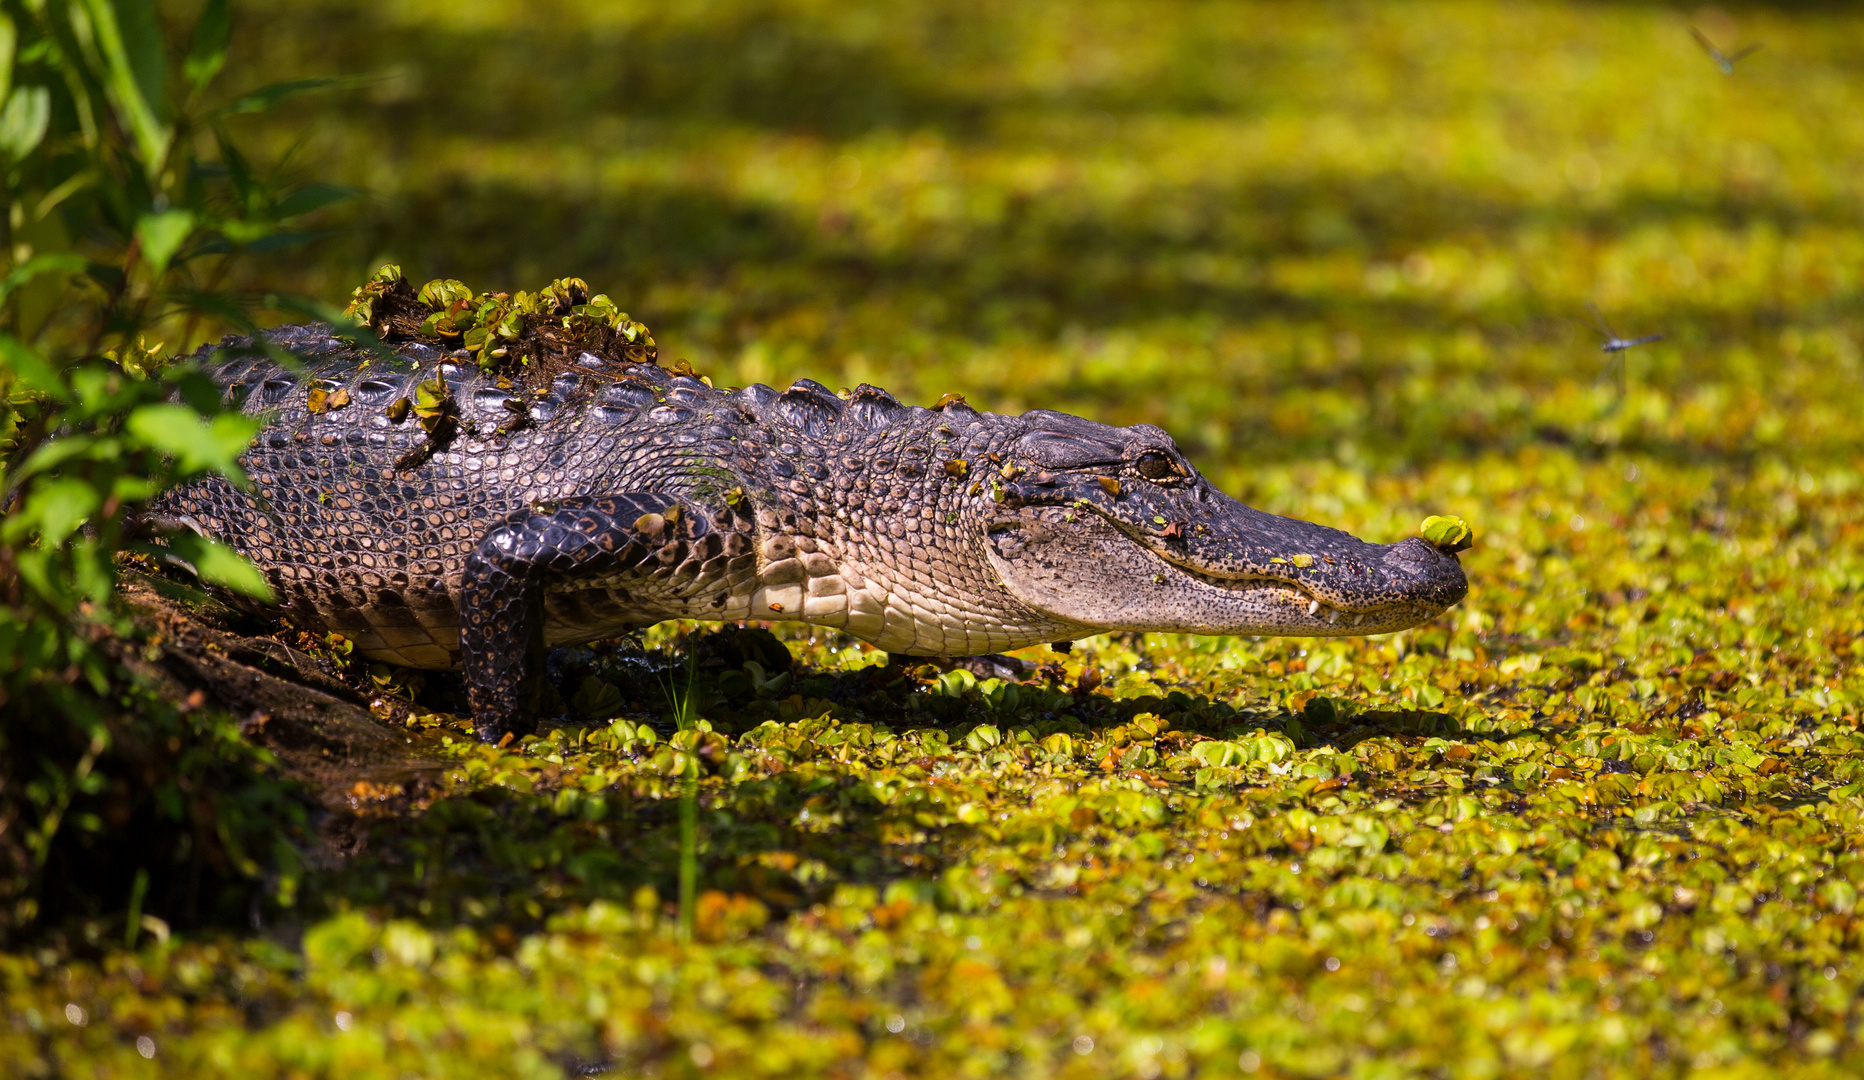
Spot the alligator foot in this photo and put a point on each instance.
(502, 587)
(989, 666)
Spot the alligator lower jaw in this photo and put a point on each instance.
(1308, 616)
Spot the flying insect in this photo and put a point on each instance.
(1725, 61)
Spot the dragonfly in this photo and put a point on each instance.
(1616, 347)
(1725, 61)
(1614, 343)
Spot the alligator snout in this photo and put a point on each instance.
(1431, 576)
(1333, 571)
(1254, 573)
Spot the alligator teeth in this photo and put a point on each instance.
(1313, 606)
(1333, 616)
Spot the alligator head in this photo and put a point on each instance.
(1112, 528)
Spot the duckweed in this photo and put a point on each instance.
(1605, 818)
(1448, 533)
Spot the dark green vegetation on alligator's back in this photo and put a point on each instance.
(443, 516)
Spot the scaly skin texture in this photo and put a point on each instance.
(628, 495)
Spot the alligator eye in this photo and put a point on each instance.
(1156, 466)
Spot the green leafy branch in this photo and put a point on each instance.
(128, 207)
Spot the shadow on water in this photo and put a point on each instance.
(1185, 260)
(753, 65)
(1041, 274)
(505, 854)
(1050, 263)
(665, 81)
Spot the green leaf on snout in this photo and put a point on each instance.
(217, 564)
(1448, 533)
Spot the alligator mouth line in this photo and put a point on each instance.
(1189, 598)
(1321, 612)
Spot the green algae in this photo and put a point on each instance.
(1602, 819)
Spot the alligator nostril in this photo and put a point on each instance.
(1419, 555)
(1430, 570)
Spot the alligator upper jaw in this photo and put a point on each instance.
(1428, 583)
(1232, 545)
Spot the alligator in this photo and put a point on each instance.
(618, 495)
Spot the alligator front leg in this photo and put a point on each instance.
(502, 590)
